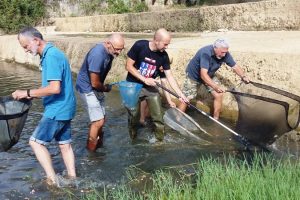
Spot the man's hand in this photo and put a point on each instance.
(108, 87)
(20, 94)
(172, 104)
(245, 79)
(183, 99)
(150, 81)
(219, 89)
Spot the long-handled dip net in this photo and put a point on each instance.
(13, 115)
(184, 124)
(208, 129)
(265, 113)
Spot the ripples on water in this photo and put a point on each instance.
(21, 174)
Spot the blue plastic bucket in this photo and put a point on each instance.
(130, 92)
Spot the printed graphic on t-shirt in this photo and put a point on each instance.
(147, 68)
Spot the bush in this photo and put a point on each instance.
(118, 6)
(138, 6)
(14, 14)
(92, 7)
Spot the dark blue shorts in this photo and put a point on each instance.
(49, 129)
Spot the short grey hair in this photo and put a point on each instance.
(31, 32)
(221, 43)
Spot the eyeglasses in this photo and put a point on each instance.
(116, 49)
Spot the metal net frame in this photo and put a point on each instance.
(13, 115)
(265, 112)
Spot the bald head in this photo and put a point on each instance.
(161, 40)
(115, 44)
(117, 39)
(162, 34)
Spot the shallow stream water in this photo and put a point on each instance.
(21, 175)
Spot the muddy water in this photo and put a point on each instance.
(21, 175)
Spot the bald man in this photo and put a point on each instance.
(145, 58)
(90, 84)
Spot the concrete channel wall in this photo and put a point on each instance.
(266, 56)
(270, 57)
(263, 15)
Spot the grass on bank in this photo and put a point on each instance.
(263, 178)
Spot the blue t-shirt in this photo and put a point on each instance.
(99, 61)
(205, 58)
(55, 67)
(147, 62)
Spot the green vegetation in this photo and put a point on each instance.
(210, 2)
(14, 14)
(263, 178)
(113, 6)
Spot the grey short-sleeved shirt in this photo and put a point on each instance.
(205, 58)
(99, 61)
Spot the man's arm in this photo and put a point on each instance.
(132, 70)
(174, 85)
(207, 80)
(239, 71)
(167, 94)
(97, 84)
(52, 88)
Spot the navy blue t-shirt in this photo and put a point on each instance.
(205, 58)
(99, 61)
(147, 62)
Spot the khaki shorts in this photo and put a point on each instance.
(94, 103)
(190, 87)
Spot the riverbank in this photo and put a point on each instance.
(269, 57)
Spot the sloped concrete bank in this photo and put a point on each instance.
(263, 15)
(267, 57)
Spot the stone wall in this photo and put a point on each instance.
(264, 15)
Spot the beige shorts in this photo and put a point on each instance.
(190, 87)
(94, 103)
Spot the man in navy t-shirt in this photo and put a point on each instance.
(201, 70)
(143, 63)
(90, 84)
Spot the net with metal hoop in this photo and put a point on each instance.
(184, 124)
(265, 113)
(13, 115)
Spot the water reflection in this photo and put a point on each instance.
(21, 174)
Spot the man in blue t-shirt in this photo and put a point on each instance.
(58, 99)
(201, 70)
(145, 58)
(90, 84)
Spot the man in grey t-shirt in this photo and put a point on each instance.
(201, 70)
(90, 84)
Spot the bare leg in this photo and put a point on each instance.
(43, 156)
(69, 158)
(218, 97)
(95, 129)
